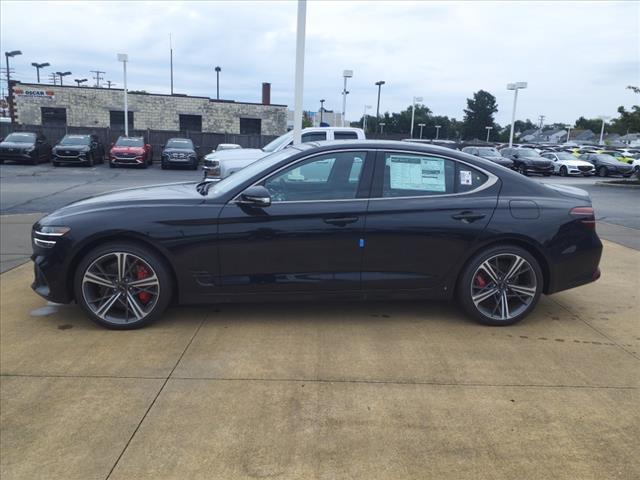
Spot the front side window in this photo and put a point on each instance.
(331, 176)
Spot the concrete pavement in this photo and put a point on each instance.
(346, 390)
(15, 239)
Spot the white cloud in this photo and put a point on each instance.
(577, 57)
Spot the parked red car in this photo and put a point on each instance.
(130, 151)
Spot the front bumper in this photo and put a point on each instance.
(126, 160)
(50, 280)
(16, 156)
(69, 158)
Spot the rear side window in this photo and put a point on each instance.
(468, 178)
(345, 136)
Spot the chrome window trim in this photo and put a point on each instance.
(492, 179)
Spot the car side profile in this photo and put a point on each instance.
(606, 165)
(25, 147)
(565, 164)
(130, 151)
(78, 149)
(528, 161)
(489, 153)
(329, 220)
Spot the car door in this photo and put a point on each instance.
(309, 239)
(426, 212)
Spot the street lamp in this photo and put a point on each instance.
(109, 83)
(568, 127)
(488, 132)
(13, 53)
(421, 125)
(514, 86)
(379, 84)
(382, 124)
(321, 110)
(438, 131)
(217, 69)
(364, 117)
(62, 75)
(38, 67)
(413, 112)
(604, 119)
(346, 74)
(80, 80)
(124, 58)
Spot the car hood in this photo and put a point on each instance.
(242, 154)
(178, 150)
(72, 148)
(169, 194)
(16, 145)
(127, 149)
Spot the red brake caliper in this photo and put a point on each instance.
(480, 281)
(141, 273)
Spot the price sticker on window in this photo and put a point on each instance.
(465, 177)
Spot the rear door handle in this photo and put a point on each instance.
(468, 216)
(341, 221)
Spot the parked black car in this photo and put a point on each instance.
(489, 153)
(179, 152)
(607, 165)
(347, 220)
(25, 147)
(78, 149)
(527, 160)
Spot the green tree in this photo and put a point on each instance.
(627, 122)
(479, 114)
(593, 124)
(306, 120)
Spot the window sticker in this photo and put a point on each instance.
(465, 177)
(416, 173)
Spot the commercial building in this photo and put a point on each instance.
(49, 105)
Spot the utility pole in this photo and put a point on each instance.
(98, 76)
(53, 78)
(171, 62)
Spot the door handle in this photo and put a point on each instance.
(340, 221)
(468, 216)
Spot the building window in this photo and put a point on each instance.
(190, 123)
(250, 126)
(54, 117)
(116, 119)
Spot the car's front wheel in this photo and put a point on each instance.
(523, 169)
(500, 286)
(123, 285)
(563, 171)
(602, 171)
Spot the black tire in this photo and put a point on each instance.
(563, 171)
(111, 165)
(194, 166)
(55, 164)
(603, 172)
(157, 265)
(34, 160)
(164, 166)
(468, 276)
(90, 160)
(523, 169)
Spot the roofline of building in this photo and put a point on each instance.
(175, 95)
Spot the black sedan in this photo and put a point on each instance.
(607, 165)
(78, 149)
(179, 152)
(527, 160)
(25, 147)
(490, 153)
(346, 220)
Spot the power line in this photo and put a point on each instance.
(97, 77)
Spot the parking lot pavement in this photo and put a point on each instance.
(15, 239)
(345, 390)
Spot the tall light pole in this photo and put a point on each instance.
(109, 83)
(438, 131)
(346, 74)
(299, 79)
(514, 86)
(488, 132)
(413, 112)
(604, 119)
(421, 125)
(13, 53)
(321, 110)
(568, 127)
(62, 75)
(217, 69)
(364, 117)
(379, 84)
(124, 58)
(171, 62)
(382, 124)
(79, 81)
(38, 67)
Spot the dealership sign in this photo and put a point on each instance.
(36, 93)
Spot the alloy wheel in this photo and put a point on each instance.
(503, 286)
(120, 288)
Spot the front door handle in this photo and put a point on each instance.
(340, 221)
(468, 216)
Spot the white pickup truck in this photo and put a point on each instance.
(221, 164)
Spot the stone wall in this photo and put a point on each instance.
(89, 107)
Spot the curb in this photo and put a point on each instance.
(617, 185)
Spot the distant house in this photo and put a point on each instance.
(553, 135)
(581, 135)
(528, 135)
(630, 139)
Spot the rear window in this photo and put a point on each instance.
(345, 135)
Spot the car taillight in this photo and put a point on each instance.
(586, 215)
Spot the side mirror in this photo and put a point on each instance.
(255, 196)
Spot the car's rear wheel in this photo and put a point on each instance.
(602, 171)
(523, 169)
(122, 285)
(563, 171)
(91, 161)
(500, 286)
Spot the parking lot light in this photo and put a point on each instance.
(38, 66)
(345, 74)
(321, 110)
(12, 53)
(62, 75)
(438, 131)
(124, 58)
(413, 112)
(421, 125)
(364, 117)
(379, 84)
(514, 86)
(604, 119)
(218, 70)
(382, 124)
(79, 81)
(488, 132)
(568, 127)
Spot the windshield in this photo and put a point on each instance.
(75, 140)
(488, 152)
(277, 143)
(21, 138)
(180, 143)
(232, 181)
(129, 142)
(565, 156)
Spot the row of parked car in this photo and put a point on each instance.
(75, 149)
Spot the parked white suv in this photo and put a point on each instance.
(221, 164)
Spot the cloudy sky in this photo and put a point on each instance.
(576, 56)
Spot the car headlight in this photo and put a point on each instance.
(29, 149)
(47, 236)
